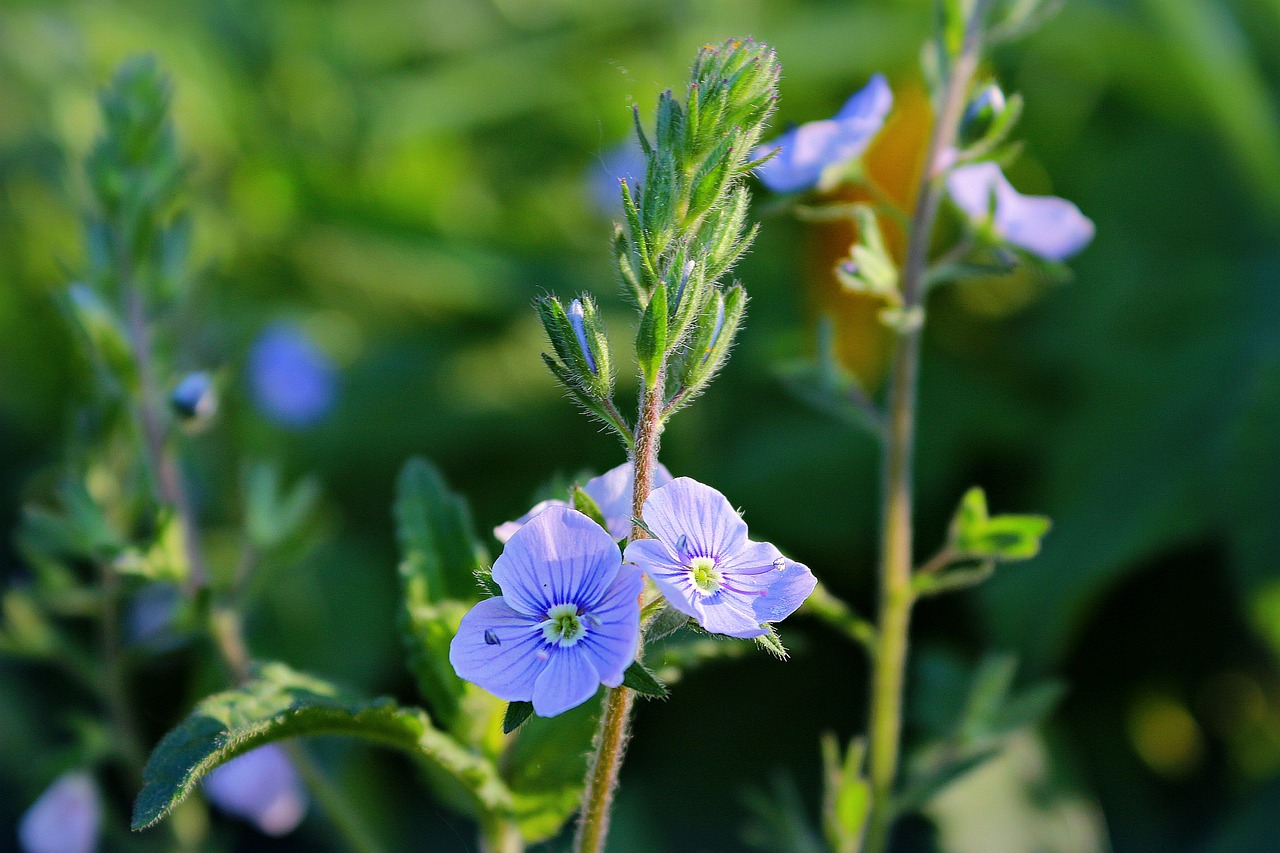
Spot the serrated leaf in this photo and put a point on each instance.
(641, 680)
(544, 766)
(280, 703)
(517, 713)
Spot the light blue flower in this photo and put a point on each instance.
(294, 383)
(623, 162)
(261, 787)
(805, 152)
(194, 397)
(1049, 227)
(611, 491)
(66, 818)
(568, 619)
(706, 567)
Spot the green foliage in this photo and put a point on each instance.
(437, 577)
(280, 703)
(641, 680)
(274, 513)
(976, 535)
(516, 714)
(846, 801)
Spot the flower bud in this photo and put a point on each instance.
(982, 114)
(194, 399)
(576, 315)
(65, 819)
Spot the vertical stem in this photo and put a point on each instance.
(615, 718)
(896, 597)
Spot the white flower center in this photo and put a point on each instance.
(563, 625)
(705, 576)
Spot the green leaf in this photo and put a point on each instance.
(667, 621)
(586, 505)
(544, 766)
(280, 703)
(975, 535)
(931, 783)
(644, 682)
(274, 513)
(517, 713)
(437, 578)
(651, 337)
(846, 794)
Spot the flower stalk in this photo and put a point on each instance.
(895, 574)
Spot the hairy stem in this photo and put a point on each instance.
(896, 597)
(615, 717)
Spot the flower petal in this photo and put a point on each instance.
(262, 787)
(729, 613)
(1049, 227)
(662, 566)
(498, 649)
(698, 514)
(785, 590)
(569, 680)
(503, 532)
(560, 557)
(613, 627)
(612, 492)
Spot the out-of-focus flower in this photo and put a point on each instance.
(261, 787)
(707, 568)
(65, 819)
(611, 491)
(624, 161)
(568, 619)
(807, 151)
(294, 383)
(1052, 228)
(194, 397)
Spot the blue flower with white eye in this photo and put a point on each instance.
(568, 619)
(1049, 227)
(611, 491)
(66, 818)
(262, 787)
(293, 381)
(807, 151)
(703, 563)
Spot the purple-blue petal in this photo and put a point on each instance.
(262, 787)
(560, 557)
(498, 649)
(810, 149)
(568, 680)
(662, 566)
(613, 627)
(729, 613)
(1049, 227)
(294, 383)
(507, 529)
(612, 491)
(785, 590)
(688, 515)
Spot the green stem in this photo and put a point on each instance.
(615, 718)
(896, 596)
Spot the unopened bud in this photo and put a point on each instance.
(981, 115)
(194, 398)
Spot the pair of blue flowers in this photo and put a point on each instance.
(810, 155)
(568, 619)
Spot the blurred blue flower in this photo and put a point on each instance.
(293, 381)
(194, 398)
(611, 491)
(810, 149)
(568, 619)
(625, 161)
(707, 568)
(1052, 228)
(66, 818)
(261, 787)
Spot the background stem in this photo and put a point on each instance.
(615, 718)
(896, 597)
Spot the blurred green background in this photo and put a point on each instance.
(401, 178)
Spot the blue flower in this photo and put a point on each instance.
(194, 398)
(293, 381)
(611, 491)
(707, 568)
(66, 818)
(568, 619)
(262, 787)
(810, 149)
(1052, 228)
(622, 162)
